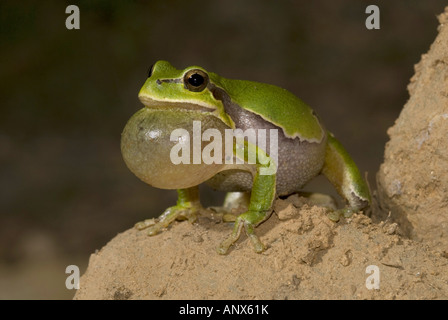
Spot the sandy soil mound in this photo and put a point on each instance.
(413, 180)
(308, 257)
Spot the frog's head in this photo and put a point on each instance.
(191, 88)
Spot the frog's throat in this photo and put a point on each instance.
(174, 105)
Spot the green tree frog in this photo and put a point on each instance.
(176, 101)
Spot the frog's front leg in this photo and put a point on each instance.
(260, 205)
(187, 208)
(342, 172)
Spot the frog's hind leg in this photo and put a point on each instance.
(187, 208)
(344, 175)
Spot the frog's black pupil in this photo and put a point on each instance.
(196, 80)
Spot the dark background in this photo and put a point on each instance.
(65, 96)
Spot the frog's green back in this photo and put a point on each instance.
(276, 105)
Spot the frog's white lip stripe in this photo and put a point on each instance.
(170, 104)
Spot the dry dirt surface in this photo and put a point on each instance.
(308, 256)
(413, 180)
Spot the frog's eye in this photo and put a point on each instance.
(150, 71)
(196, 80)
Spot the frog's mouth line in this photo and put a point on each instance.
(155, 104)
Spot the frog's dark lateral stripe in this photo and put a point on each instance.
(160, 81)
(243, 119)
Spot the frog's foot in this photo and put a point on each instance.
(177, 212)
(335, 215)
(227, 216)
(235, 203)
(320, 200)
(246, 221)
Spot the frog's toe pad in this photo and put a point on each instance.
(228, 217)
(151, 225)
(335, 215)
(145, 224)
(155, 229)
(256, 242)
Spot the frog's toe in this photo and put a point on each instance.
(249, 227)
(224, 247)
(145, 224)
(256, 242)
(336, 215)
(157, 228)
(229, 217)
(177, 212)
(152, 225)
